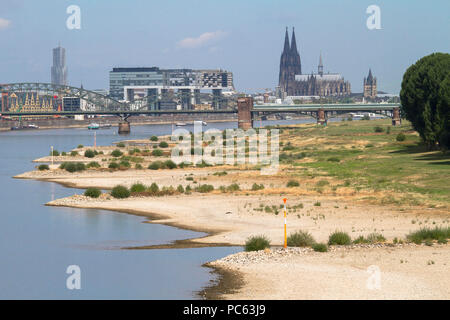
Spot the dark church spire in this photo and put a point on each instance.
(293, 42)
(290, 64)
(286, 42)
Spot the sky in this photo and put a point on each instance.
(242, 36)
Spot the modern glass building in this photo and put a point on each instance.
(59, 68)
(122, 80)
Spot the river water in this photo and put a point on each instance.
(38, 243)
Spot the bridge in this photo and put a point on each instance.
(45, 99)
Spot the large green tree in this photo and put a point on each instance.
(425, 98)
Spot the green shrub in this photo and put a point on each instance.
(188, 189)
(157, 153)
(92, 192)
(54, 153)
(93, 164)
(155, 165)
(366, 117)
(89, 153)
(202, 164)
(292, 183)
(154, 138)
(233, 187)
(333, 159)
(43, 167)
(73, 153)
(300, 239)
(378, 129)
(64, 153)
(153, 189)
(401, 137)
(80, 146)
(124, 164)
(80, 166)
(169, 164)
(121, 145)
(424, 234)
(180, 189)
(138, 187)
(120, 192)
(220, 173)
(113, 165)
(138, 166)
(190, 178)
(322, 183)
(163, 144)
(288, 147)
(371, 238)
(320, 247)
(117, 153)
(205, 188)
(69, 166)
(256, 243)
(256, 187)
(339, 238)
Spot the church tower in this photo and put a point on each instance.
(370, 86)
(320, 67)
(295, 57)
(290, 64)
(284, 64)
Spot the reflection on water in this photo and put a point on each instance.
(37, 242)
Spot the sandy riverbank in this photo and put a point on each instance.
(239, 215)
(407, 271)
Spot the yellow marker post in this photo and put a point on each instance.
(285, 235)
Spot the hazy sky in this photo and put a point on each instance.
(245, 37)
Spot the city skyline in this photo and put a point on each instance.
(247, 44)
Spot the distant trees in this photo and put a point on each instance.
(425, 99)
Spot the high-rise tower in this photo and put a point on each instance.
(59, 68)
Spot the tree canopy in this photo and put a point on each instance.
(425, 98)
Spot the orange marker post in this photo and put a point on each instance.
(285, 235)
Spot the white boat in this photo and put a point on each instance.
(180, 124)
(200, 122)
(93, 126)
(356, 115)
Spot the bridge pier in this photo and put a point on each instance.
(245, 115)
(124, 127)
(396, 120)
(321, 117)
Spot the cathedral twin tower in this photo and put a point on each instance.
(290, 63)
(293, 83)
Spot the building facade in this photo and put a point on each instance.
(293, 83)
(59, 68)
(160, 84)
(370, 86)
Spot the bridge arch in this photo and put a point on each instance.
(95, 100)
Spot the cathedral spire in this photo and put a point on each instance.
(320, 67)
(286, 42)
(370, 77)
(293, 42)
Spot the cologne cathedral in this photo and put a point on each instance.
(293, 83)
